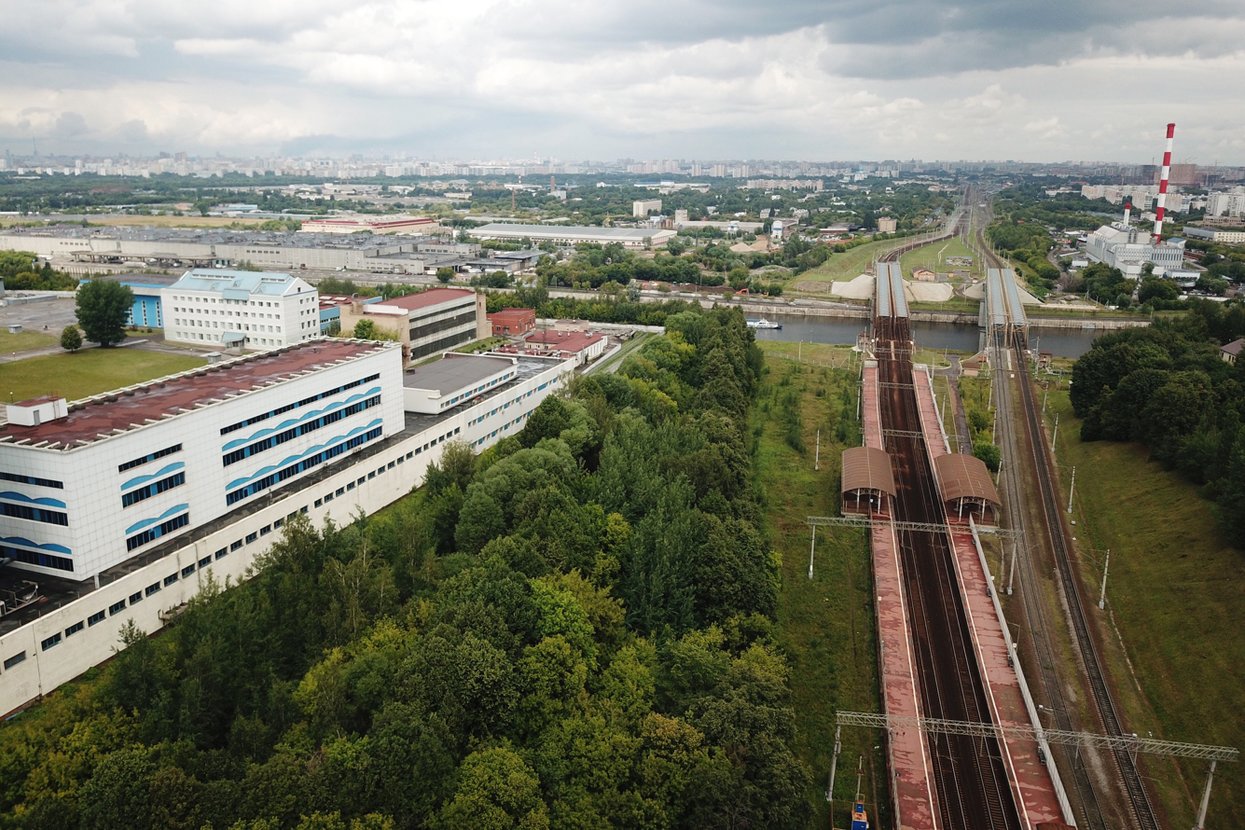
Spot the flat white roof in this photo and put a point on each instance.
(587, 233)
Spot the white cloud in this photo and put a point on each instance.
(981, 79)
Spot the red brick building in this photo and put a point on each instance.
(512, 322)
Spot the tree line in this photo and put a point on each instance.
(573, 629)
(1167, 386)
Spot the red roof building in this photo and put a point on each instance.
(586, 346)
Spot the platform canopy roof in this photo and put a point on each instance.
(866, 468)
(963, 476)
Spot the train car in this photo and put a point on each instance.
(860, 819)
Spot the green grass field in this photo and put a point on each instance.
(88, 372)
(826, 624)
(845, 266)
(25, 341)
(1175, 593)
(933, 257)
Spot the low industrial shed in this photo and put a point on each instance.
(867, 481)
(967, 487)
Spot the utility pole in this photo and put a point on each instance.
(1072, 489)
(1102, 597)
(811, 547)
(817, 453)
(1011, 574)
(1201, 811)
(1054, 439)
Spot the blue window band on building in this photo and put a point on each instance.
(155, 488)
(301, 463)
(47, 555)
(154, 533)
(164, 471)
(155, 527)
(32, 509)
(151, 456)
(304, 402)
(305, 428)
(237, 442)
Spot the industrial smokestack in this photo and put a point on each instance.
(1128, 210)
(1160, 208)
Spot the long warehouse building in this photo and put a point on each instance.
(575, 234)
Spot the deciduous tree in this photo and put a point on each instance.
(103, 306)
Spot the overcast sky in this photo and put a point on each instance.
(1039, 80)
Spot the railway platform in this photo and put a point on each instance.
(1030, 774)
(912, 790)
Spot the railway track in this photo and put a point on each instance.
(969, 773)
(1036, 619)
(1056, 531)
(1138, 804)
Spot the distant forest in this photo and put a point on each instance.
(573, 629)
(1168, 387)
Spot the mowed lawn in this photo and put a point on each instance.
(1176, 592)
(25, 341)
(845, 266)
(826, 624)
(88, 372)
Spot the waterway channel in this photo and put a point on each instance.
(1061, 342)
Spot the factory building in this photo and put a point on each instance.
(1129, 248)
(278, 251)
(240, 309)
(425, 323)
(369, 224)
(575, 235)
(1228, 237)
(89, 485)
(180, 484)
(641, 208)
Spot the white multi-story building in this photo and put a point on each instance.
(248, 309)
(1142, 196)
(89, 485)
(1229, 203)
(79, 625)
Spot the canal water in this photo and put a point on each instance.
(843, 331)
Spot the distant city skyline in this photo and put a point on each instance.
(980, 80)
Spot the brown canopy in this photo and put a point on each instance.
(965, 477)
(866, 468)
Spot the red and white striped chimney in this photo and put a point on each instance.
(1160, 208)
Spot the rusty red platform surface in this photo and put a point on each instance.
(1030, 779)
(911, 785)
